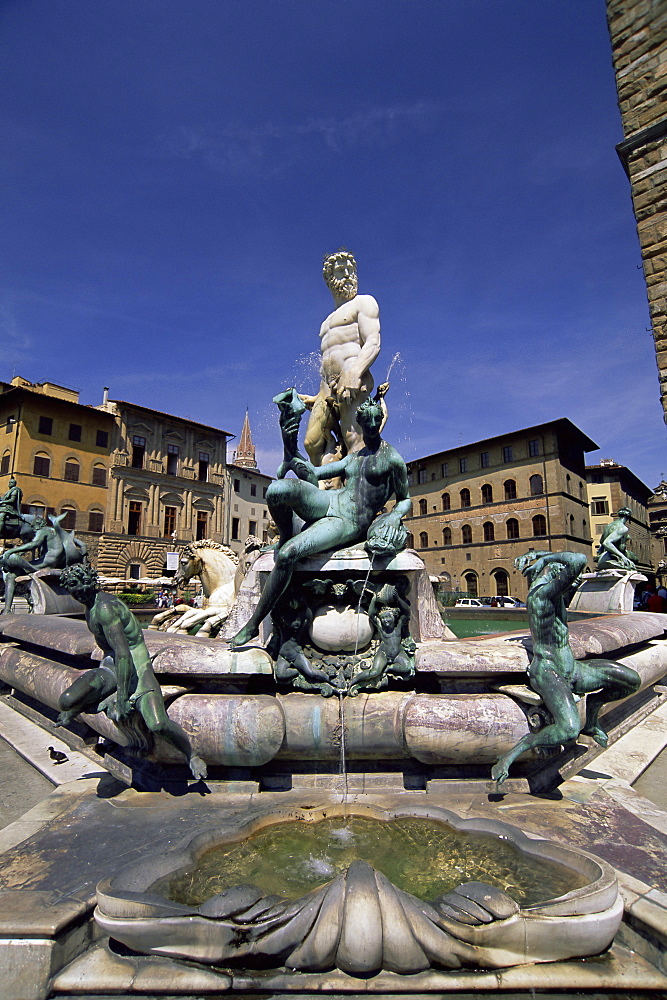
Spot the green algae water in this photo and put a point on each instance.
(421, 856)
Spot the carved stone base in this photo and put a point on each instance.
(607, 591)
(425, 620)
(49, 598)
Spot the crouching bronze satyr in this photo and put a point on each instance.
(124, 684)
(553, 671)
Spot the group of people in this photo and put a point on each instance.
(652, 599)
(164, 599)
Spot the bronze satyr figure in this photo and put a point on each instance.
(553, 671)
(124, 682)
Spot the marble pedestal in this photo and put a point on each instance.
(425, 620)
(609, 590)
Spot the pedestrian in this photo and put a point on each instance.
(656, 603)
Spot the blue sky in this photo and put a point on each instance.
(173, 173)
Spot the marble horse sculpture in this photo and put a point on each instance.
(553, 671)
(216, 566)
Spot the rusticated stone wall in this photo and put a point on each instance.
(638, 30)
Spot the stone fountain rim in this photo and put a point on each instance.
(132, 883)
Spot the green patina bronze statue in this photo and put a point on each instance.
(553, 671)
(10, 508)
(333, 518)
(292, 618)
(389, 611)
(124, 682)
(54, 547)
(612, 550)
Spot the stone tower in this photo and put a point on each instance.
(638, 30)
(244, 456)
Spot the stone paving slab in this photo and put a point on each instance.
(33, 743)
(101, 969)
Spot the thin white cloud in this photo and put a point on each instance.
(275, 145)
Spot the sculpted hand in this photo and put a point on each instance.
(289, 427)
(115, 710)
(349, 382)
(534, 569)
(386, 535)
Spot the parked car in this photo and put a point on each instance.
(508, 602)
(469, 602)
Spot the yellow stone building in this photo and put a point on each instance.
(136, 484)
(59, 451)
(477, 507)
(610, 487)
(167, 486)
(248, 510)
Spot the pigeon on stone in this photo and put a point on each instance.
(57, 755)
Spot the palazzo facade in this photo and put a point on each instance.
(476, 507)
(136, 484)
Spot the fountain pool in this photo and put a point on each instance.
(418, 855)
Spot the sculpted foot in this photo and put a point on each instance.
(243, 637)
(598, 735)
(197, 767)
(499, 772)
(65, 718)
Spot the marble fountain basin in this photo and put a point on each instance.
(480, 912)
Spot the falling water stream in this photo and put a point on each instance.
(396, 357)
(342, 768)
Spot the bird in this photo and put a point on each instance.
(57, 755)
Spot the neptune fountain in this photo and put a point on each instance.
(337, 722)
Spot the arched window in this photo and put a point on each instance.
(568, 483)
(539, 525)
(536, 486)
(446, 501)
(422, 506)
(582, 495)
(69, 521)
(42, 465)
(72, 471)
(470, 582)
(466, 534)
(510, 489)
(446, 536)
(99, 474)
(502, 582)
(4, 463)
(423, 540)
(487, 493)
(512, 528)
(465, 497)
(585, 526)
(410, 541)
(96, 520)
(489, 533)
